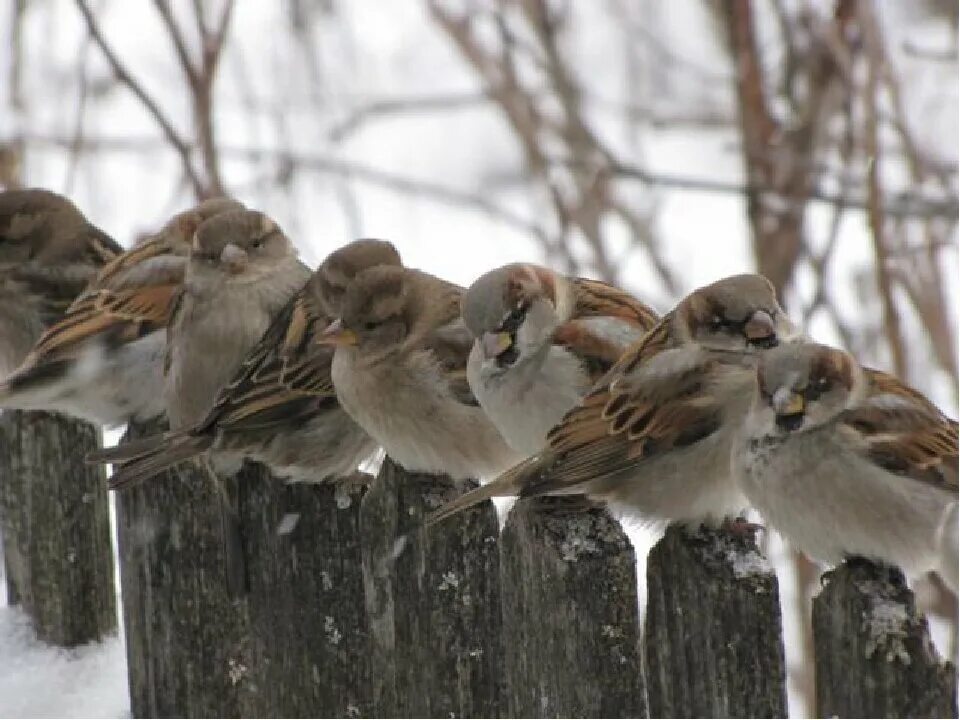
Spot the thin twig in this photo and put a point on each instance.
(124, 76)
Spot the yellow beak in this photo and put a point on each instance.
(496, 343)
(788, 402)
(336, 334)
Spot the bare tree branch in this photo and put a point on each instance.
(124, 76)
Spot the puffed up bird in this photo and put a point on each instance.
(541, 340)
(847, 461)
(400, 371)
(48, 254)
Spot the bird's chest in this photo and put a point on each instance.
(208, 344)
(526, 401)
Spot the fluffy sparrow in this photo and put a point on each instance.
(541, 340)
(48, 254)
(280, 408)
(654, 435)
(242, 270)
(102, 361)
(847, 461)
(400, 371)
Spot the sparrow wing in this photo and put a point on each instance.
(117, 316)
(450, 345)
(285, 378)
(593, 298)
(655, 408)
(904, 433)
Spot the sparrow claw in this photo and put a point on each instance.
(345, 488)
(741, 527)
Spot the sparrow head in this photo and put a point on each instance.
(512, 312)
(737, 314)
(41, 226)
(242, 244)
(337, 272)
(379, 310)
(801, 385)
(180, 229)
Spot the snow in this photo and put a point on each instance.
(39, 680)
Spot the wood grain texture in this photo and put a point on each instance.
(187, 635)
(874, 657)
(308, 625)
(570, 614)
(434, 613)
(712, 640)
(56, 527)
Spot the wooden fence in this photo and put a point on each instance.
(539, 619)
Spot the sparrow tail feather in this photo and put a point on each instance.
(508, 483)
(130, 450)
(174, 450)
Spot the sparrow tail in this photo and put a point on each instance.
(508, 483)
(28, 387)
(170, 451)
(130, 450)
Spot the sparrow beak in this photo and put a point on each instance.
(496, 343)
(234, 258)
(788, 403)
(336, 334)
(760, 329)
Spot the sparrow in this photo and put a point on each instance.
(541, 341)
(48, 254)
(280, 407)
(102, 361)
(847, 461)
(241, 271)
(654, 435)
(400, 371)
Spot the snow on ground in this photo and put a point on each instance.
(39, 680)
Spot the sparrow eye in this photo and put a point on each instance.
(716, 323)
(370, 325)
(257, 244)
(823, 384)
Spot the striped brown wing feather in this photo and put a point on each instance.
(626, 421)
(597, 299)
(285, 378)
(913, 439)
(126, 315)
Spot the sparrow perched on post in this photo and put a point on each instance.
(242, 270)
(280, 408)
(400, 371)
(102, 361)
(541, 340)
(847, 461)
(48, 254)
(654, 435)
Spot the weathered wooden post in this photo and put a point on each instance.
(712, 636)
(308, 626)
(56, 527)
(434, 613)
(874, 657)
(187, 648)
(570, 614)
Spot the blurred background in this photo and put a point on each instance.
(657, 145)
